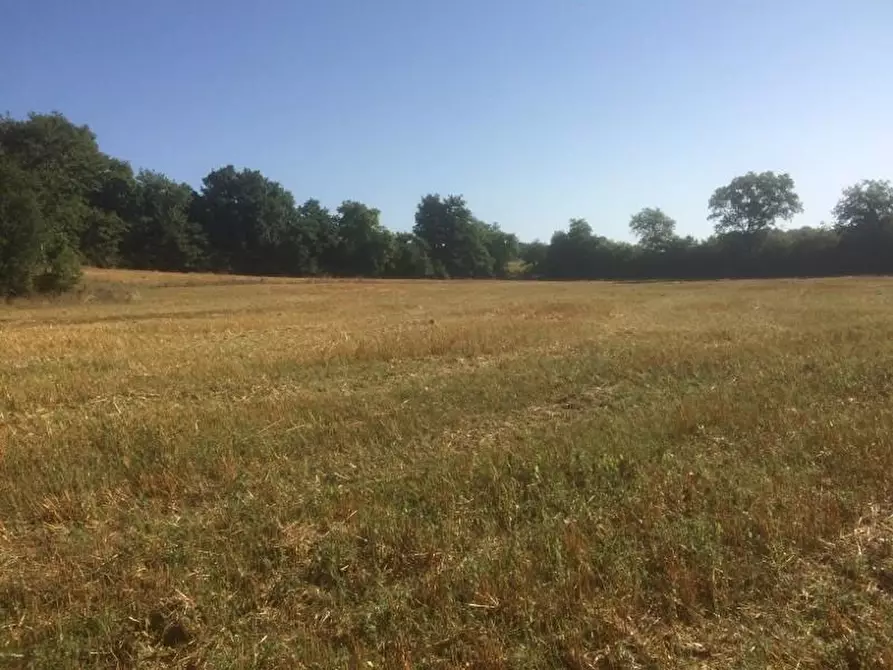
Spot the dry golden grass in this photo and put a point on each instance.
(223, 472)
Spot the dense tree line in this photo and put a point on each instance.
(746, 243)
(64, 203)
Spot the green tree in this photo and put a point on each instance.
(502, 247)
(864, 220)
(364, 246)
(409, 258)
(309, 243)
(753, 203)
(534, 255)
(101, 238)
(579, 230)
(246, 218)
(112, 207)
(21, 229)
(655, 229)
(454, 239)
(161, 235)
(61, 269)
(867, 205)
(572, 254)
(82, 193)
(51, 165)
(65, 159)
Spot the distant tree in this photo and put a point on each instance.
(63, 201)
(161, 236)
(65, 159)
(799, 252)
(364, 246)
(245, 217)
(53, 165)
(533, 255)
(867, 205)
(753, 203)
(579, 230)
(453, 236)
(21, 229)
(112, 208)
(61, 269)
(409, 258)
(502, 247)
(309, 244)
(656, 231)
(615, 260)
(573, 254)
(101, 238)
(864, 219)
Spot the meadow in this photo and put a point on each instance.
(200, 471)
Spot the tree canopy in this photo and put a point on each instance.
(655, 230)
(754, 202)
(867, 205)
(64, 203)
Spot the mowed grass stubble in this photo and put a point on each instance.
(209, 472)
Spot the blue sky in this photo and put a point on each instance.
(535, 110)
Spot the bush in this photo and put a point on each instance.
(62, 268)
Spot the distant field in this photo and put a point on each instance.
(213, 472)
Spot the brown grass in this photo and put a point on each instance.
(220, 472)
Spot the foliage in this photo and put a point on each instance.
(456, 241)
(656, 231)
(162, 236)
(533, 254)
(61, 269)
(21, 228)
(752, 203)
(38, 216)
(102, 237)
(864, 219)
(77, 204)
(573, 254)
(502, 247)
(246, 218)
(409, 258)
(309, 244)
(111, 209)
(66, 161)
(364, 247)
(867, 205)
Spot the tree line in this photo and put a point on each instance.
(64, 203)
(747, 241)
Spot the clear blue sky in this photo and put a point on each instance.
(535, 110)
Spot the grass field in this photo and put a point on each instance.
(207, 472)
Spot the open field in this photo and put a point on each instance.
(201, 472)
